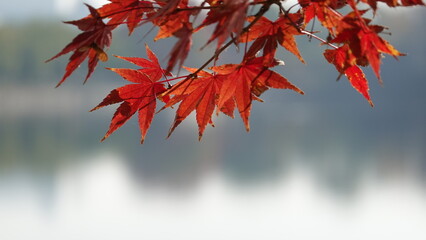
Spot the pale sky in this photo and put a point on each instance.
(68, 7)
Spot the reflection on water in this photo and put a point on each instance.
(98, 199)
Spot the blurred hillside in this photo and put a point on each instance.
(25, 49)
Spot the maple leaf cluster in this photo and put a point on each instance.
(352, 42)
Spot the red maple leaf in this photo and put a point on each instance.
(179, 25)
(230, 17)
(322, 9)
(168, 6)
(232, 85)
(130, 12)
(412, 2)
(393, 3)
(91, 43)
(363, 39)
(139, 97)
(357, 79)
(199, 94)
(243, 80)
(345, 63)
(267, 35)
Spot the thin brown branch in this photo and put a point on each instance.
(319, 39)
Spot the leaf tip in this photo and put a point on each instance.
(60, 83)
(106, 136)
(247, 127)
(170, 132)
(168, 135)
(93, 109)
(380, 81)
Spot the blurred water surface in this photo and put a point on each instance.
(324, 165)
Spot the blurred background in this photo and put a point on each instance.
(320, 166)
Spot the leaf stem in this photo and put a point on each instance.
(319, 39)
(172, 79)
